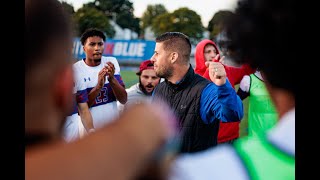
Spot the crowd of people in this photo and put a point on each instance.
(177, 122)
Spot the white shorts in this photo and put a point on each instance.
(82, 130)
(71, 128)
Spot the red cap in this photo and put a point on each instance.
(145, 65)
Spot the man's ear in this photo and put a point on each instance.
(63, 88)
(174, 57)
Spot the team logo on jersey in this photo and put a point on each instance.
(85, 79)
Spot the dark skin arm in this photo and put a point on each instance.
(118, 90)
(85, 115)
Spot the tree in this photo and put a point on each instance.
(215, 24)
(151, 13)
(68, 7)
(88, 17)
(126, 19)
(182, 20)
(119, 10)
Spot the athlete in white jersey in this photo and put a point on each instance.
(100, 76)
(104, 108)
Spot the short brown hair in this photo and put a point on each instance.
(176, 41)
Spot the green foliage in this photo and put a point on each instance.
(68, 7)
(182, 20)
(215, 24)
(111, 7)
(162, 23)
(127, 20)
(88, 17)
(119, 10)
(151, 13)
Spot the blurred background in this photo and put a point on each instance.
(132, 25)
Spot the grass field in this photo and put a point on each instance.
(129, 77)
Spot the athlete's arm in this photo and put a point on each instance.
(118, 90)
(85, 115)
(220, 102)
(243, 91)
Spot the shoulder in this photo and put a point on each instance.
(78, 68)
(109, 59)
(200, 82)
(245, 83)
(133, 89)
(77, 64)
(160, 85)
(245, 80)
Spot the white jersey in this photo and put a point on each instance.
(104, 109)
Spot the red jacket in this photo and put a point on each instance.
(230, 130)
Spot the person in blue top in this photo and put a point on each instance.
(198, 103)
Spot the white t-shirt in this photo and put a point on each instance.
(104, 109)
(246, 81)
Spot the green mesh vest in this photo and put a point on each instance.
(265, 161)
(262, 114)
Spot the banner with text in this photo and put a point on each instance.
(123, 50)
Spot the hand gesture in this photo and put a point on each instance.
(222, 60)
(216, 59)
(217, 72)
(110, 69)
(101, 78)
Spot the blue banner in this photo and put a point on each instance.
(123, 50)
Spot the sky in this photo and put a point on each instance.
(205, 8)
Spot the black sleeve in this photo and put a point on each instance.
(242, 94)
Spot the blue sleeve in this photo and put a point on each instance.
(220, 102)
(119, 79)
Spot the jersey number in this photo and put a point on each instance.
(102, 96)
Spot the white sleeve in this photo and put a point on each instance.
(245, 83)
(79, 84)
(116, 66)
